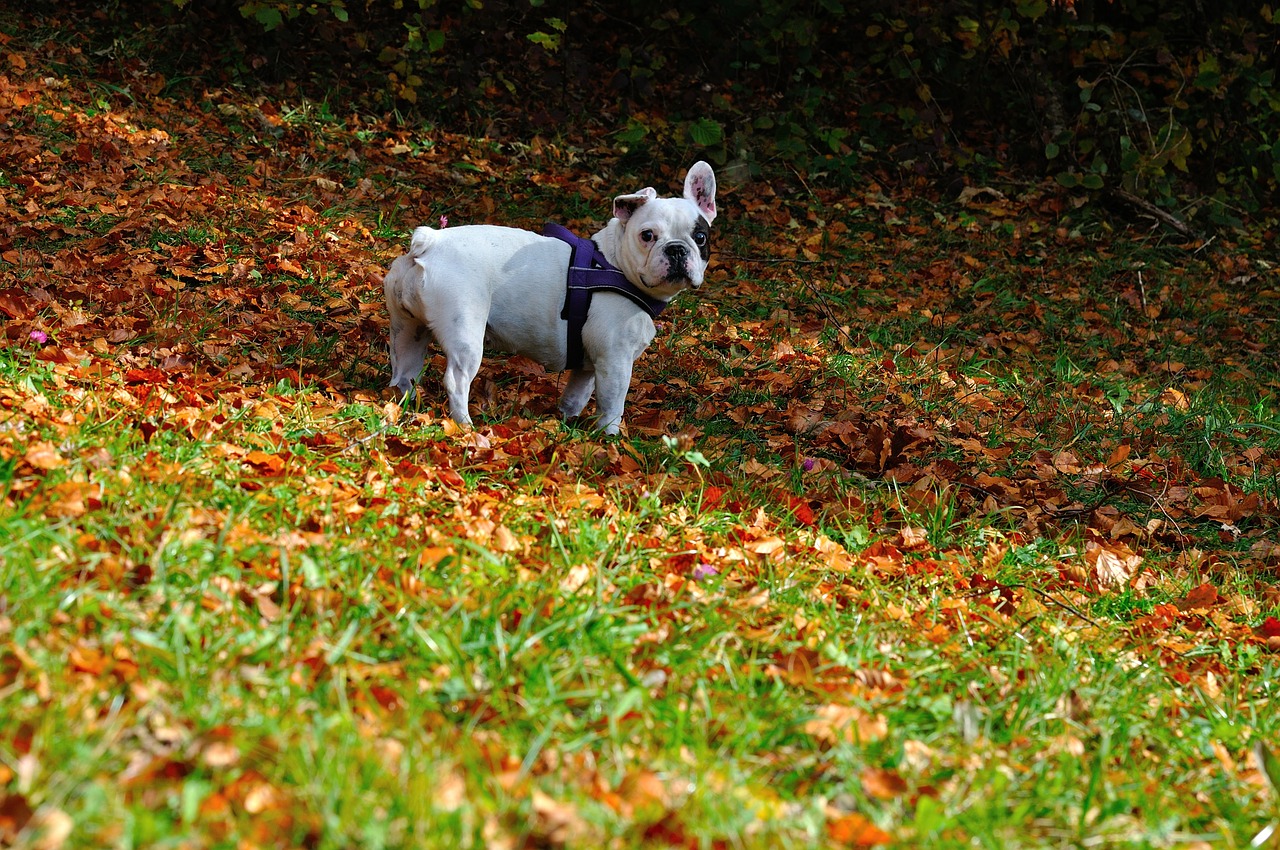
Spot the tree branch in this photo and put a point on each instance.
(1163, 216)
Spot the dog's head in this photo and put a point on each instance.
(663, 245)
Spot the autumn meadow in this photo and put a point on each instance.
(945, 515)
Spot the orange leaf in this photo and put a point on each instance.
(1120, 455)
(643, 789)
(267, 464)
(72, 499)
(86, 659)
(712, 496)
(854, 830)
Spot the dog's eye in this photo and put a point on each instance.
(700, 238)
(647, 236)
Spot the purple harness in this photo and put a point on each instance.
(590, 272)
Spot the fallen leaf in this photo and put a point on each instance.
(854, 830)
(15, 813)
(52, 828)
(1111, 566)
(44, 456)
(1204, 596)
(835, 723)
(882, 784)
(261, 798)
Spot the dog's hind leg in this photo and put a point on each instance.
(460, 331)
(577, 392)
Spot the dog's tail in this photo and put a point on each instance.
(423, 239)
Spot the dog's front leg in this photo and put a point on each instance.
(577, 392)
(408, 347)
(613, 379)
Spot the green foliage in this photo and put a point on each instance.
(1176, 103)
(273, 15)
(549, 40)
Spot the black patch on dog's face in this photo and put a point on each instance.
(702, 238)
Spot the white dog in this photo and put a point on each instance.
(520, 291)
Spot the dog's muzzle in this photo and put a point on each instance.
(677, 262)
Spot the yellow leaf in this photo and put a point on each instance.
(766, 546)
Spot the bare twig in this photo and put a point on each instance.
(1163, 216)
(795, 260)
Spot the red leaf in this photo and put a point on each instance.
(1271, 628)
(150, 375)
(803, 513)
(711, 497)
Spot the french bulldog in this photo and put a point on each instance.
(481, 285)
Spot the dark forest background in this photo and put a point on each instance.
(1168, 110)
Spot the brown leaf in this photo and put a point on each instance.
(1120, 455)
(14, 304)
(912, 538)
(44, 456)
(1111, 566)
(560, 823)
(1066, 462)
(882, 784)
(833, 723)
(15, 813)
(1204, 596)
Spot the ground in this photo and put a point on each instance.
(941, 519)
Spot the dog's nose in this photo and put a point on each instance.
(676, 252)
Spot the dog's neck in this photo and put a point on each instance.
(606, 239)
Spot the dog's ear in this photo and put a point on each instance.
(700, 187)
(624, 206)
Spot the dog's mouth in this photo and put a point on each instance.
(678, 277)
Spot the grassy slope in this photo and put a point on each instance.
(968, 536)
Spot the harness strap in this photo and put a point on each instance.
(589, 272)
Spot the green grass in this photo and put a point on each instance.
(382, 702)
